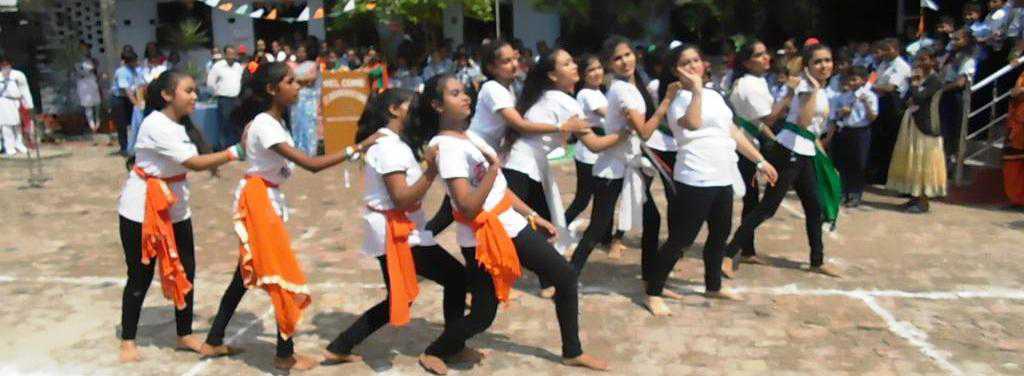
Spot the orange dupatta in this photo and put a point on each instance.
(158, 237)
(401, 268)
(495, 251)
(265, 255)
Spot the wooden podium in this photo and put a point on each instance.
(343, 97)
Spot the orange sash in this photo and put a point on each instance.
(158, 237)
(401, 268)
(495, 251)
(265, 255)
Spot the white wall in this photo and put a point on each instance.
(531, 25)
(452, 19)
(234, 33)
(142, 30)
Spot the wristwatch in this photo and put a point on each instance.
(761, 163)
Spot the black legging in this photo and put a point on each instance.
(532, 193)
(536, 254)
(435, 264)
(141, 276)
(652, 218)
(795, 171)
(443, 218)
(232, 296)
(748, 170)
(693, 207)
(584, 194)
(121, 111)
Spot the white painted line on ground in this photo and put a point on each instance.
(199, 367)
(912, 334)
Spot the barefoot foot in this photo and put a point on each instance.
(657, 306)
(332, 358)
(295, 362)
(826, 270)
(129, 352)
(669, 294)
(190, 343)
(722, 295)
(433, 364)
(727, 268)
(547, 293)
(468, 355)
(616, 249)
(207, 350)
(754, 259)
(587, 361)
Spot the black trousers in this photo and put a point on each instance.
(651, 216)
(435, 264)
(141, 276)
(884, 131)
(748, 170)
(797, 172)
(851, 148)
(230, 133)
(693, 207)
(228, 304)
(539, 256)
(532, 193)
(606, 195)
(443, 218)
(121, 109)
(584, 194)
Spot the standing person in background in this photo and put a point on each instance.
(305, 112)
(755, 112)
(126, 97)
(439, 62)
(155, 63)
(225, 80)
(958, 74)
(14, 94)
(856, 108)
(1013, 154)
(918, 165)
(892, 86)
(87, 86)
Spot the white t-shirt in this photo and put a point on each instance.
(487, 122)
(225, 79)
(611, 164)
(659, 140)
(707, 155)
(795, 142)
(263, 133)
(160, 148)
(389, 155)
(590, 101)
(752, 100)
(463, 158)
(895, 72)
(553, 107)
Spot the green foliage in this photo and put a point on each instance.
(413, 11)
(191, 35)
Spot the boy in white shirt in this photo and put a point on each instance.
(857, 109)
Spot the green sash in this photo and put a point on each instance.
(830, 189)
(751, 129)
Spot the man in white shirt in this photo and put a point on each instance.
(225, 80)
(892, 86)
(14, 93)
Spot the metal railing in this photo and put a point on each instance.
(994, 139)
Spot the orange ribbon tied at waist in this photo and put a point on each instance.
(495, 251)
(265, 255)
(158, 237)
(401, 268)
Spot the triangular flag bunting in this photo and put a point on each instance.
(256, 14)
(225, 7)
(304, 16)
(350, 6)
(244, 9)
(272, 15)
(211, 3)
(318, 14)
(287, 19)
(930, 4)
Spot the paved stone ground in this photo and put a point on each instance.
(933, 294)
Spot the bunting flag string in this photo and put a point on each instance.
(271, 14)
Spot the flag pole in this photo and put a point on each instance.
(497, 19)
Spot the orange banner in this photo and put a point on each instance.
(344, 95)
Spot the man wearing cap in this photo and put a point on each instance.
(225, 79)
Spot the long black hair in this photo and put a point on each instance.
(255, 98)
(582, 64)
(377, 113)
(168, 81)
(537, 81)
(608, 51)
(745, 53)
(425, 122)
(489, 54)
(670, 59)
